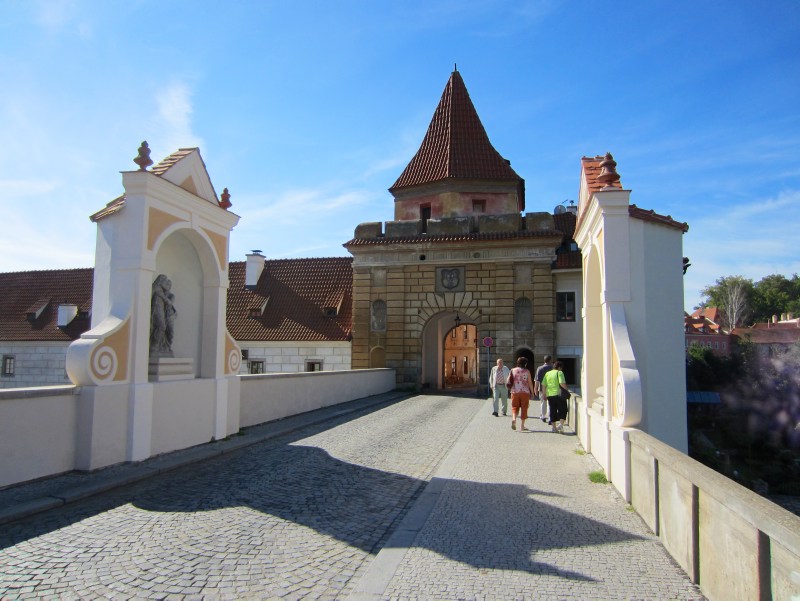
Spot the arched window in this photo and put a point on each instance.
(523, 314)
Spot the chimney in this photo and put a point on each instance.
(66, 313)
(254, 269)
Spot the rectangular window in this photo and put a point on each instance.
(565, 306)
(8, 366)
(466, 366)
(424, 215)
(257, 366)
(478, 206)
(245, 354)
(723, 346)
(313, 365)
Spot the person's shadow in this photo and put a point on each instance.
(358, 505)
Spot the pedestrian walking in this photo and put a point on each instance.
(520, 383)
(497, 380)
(538, 390)
(555, 385)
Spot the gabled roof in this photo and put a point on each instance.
(30, 299)
(456, 145)
(185, 168)
(294, 294)
(591, 169)
(291, 301)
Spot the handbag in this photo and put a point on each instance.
(565, 394)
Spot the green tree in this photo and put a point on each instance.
(775, 294)
(733, 296)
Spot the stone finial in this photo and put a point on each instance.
(143, 159)
(225, 201)
(608, 171)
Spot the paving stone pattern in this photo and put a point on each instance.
(428, 498)
(295, 517)
(518, 518)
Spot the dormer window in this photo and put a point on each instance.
(330, 311)
(254, 312)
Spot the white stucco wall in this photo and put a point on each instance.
(37, 433)
(291, 357)
(655, 320)
(275, 396)
(35, 364)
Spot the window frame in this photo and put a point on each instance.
(562, 312)
(9, 366)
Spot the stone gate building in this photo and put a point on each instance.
(461, 251)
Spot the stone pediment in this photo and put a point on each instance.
(186, 169)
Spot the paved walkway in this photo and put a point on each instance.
(428, 497)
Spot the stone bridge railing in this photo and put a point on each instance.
(43, 431)
(732, 542)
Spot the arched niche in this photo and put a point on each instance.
(190, 262)
(377, 357)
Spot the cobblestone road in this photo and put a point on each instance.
(296, 517)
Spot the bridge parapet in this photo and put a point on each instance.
(732, 542)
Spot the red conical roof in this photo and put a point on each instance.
(456, 145)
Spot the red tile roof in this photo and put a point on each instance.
(164, 165)
(591, 167)
(440, 239)
(25, 293)
(771, 333)
(570, 259)
(296, 293)
(456, 146)
(654, 217)
(565, 223)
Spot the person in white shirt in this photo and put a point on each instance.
(497, 380)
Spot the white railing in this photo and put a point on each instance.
(43, 431)
(732, 542)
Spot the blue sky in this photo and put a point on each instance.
(309, 111)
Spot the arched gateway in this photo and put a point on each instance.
(460, 258)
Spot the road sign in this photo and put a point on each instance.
(487, 342)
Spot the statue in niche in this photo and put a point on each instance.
(162, 317)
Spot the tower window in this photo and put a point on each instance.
(425, 215)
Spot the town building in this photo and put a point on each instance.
(703, 328)
(461, 251)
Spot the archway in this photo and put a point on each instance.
(435, 332)
(460, 361)
(528, 354)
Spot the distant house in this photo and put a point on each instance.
(777, 334)
(294, 316)
(702, 328)
(41, 313)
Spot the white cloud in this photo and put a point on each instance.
(752, 239)
(54, 14)
(20, 188)
(174, 119)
